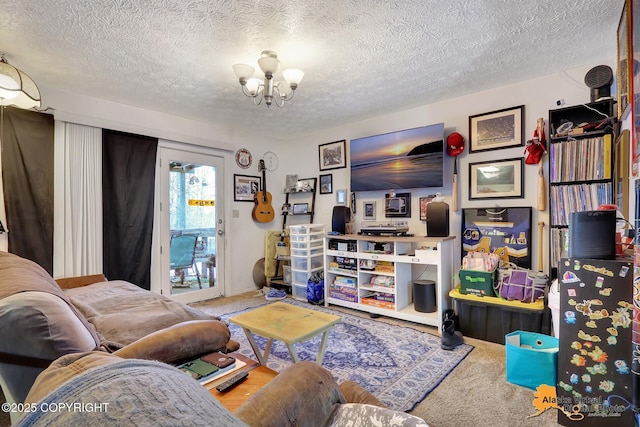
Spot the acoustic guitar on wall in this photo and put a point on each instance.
(262, 209)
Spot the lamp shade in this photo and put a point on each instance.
(268, 62)
(293, 75)
(243, 71)
(16, 88)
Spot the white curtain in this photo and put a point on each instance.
(78, 231)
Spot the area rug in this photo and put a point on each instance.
(399, 365)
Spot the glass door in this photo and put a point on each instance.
(192, 233)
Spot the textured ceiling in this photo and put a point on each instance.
(361, 58)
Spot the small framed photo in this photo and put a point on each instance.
(341, 197)
(306, 185)
(424, 201)
(300, 208)
(291, 183)
(333, 155)
(498, 179)
(245, 187)
(397, 205)
(496, 129)
(326, 184)
(369, 211)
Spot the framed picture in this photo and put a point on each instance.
(498, 179)
(291, 184)
(397, 205)
(369, 211)
(341, 197)
(424, 201)
(326, 184)
(496, 129)
(333, 155)
(625, 59)
(245, 187)
(306, 185)
(300, 208)
(503, 231)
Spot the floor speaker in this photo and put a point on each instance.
(437, 219)
(341, 217)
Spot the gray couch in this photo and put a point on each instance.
(39, 322)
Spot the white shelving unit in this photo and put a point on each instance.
(352, 260)
(306, 256)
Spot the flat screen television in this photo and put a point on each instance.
(411, 158)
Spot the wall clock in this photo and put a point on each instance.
(243, 158)
(270, 161)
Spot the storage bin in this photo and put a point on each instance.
(305, 263)
(313, 244)
(531, 358)
(307, 251)
(299, 292)
(491, 318)
(305, 237)
(477, 282)
(300, 277)
(306, 229)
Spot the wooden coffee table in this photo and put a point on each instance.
(287, 323)
(258, 377)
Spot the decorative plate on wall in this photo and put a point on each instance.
(243, 158)
(270, 160)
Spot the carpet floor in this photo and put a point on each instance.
(475, 393)
(398, 365)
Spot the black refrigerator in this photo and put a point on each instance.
(595, 355)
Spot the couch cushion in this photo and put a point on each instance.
(19, 274)
(42, 325)
(363, 415)
(109, 391)
(123, 312)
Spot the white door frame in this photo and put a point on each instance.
(160, 275)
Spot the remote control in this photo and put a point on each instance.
(231, 382)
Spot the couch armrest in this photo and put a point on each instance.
(303, 394)
(76, 282)
(181, 341)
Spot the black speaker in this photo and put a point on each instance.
(341, 217)
(437, 219)
(599, 80)
(592, 234)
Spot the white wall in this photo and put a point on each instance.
(245, 237)
(537, 95)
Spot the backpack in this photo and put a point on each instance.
(315, 288)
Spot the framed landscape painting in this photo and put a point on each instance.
(496, 179)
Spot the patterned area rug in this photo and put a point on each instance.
(399, 365)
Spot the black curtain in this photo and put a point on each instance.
(27, 172)
(128, 183)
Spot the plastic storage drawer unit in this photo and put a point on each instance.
(491, 318)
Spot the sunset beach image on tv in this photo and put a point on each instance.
(411, 158)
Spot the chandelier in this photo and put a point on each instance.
(16, 88)
(272, 91)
